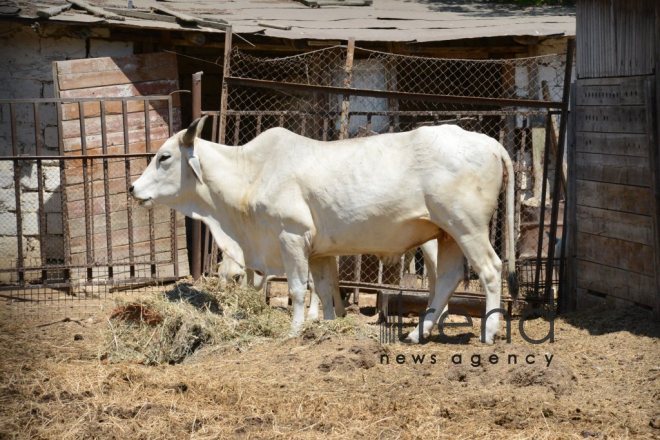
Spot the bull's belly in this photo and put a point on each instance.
(380, 238)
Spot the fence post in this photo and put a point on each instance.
(343, 134)
(226, 66)
(346, 102)
(196, 269)
(570, 47)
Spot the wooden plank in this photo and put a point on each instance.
(615, 282)
(115, 77)
(612, 143)
(611, 91)
(115, 141)
(128, 64)
(633, 257)
(603, 119)
(614, 224)
(145, 88)
(609, 168)
(70, 111)
(114, 123)
(94, 10)
(616, 197)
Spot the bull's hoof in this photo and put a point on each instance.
(413, 337)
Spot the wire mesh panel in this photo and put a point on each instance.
(344, 92)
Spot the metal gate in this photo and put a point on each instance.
(68, 228)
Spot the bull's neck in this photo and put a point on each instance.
(226, 174)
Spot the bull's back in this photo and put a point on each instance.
(373, 193)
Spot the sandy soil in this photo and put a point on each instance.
(599, 379)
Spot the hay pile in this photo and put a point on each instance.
(168, 327)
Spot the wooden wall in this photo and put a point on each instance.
(614, 245)
(615, 37)
(615, 239)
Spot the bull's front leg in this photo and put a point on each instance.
(295, 259)
(326, 282)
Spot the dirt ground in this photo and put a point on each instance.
(599, 379)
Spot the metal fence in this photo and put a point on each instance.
(344, 91)
(68, 228)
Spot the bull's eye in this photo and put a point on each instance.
(163, 157)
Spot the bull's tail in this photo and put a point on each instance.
(512, 279)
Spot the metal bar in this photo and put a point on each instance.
(88, 221)
(214, 128)
(469, 100)
(174, 239)
(259, 124)
(106, 190)
(152, 232)
(237, 129)
(566, 300)
(196, 259)
(206, 252)
(226, 66)
(63, 197)
(358, 276)
(17, 194)
(129, 205)
(346, 101)
(544, 190)
(38, 142)
(78, 156)
(559, 166)
(431, 113)
(77, 100)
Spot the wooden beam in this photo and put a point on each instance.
(99, 12)
(53, 11)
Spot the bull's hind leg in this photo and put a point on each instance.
(326, 283)
(487, 264)
(296, 265)
(449, 272)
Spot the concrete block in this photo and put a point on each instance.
(7, 223)
(54, 223)
(29, 179)
(9, 247)
(29, 202)
(53, 202)
(7, 200)
(51, 141)
(51, 178)
(32, 250)
(30, 223)
(6, 174)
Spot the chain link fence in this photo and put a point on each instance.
(345, 92)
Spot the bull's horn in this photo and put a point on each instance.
(193, 131)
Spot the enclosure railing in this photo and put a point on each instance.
(68, 226)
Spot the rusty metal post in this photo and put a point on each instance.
(226, 66)
(344, 123)
(559, 167)
(196, 269)
(346, 103)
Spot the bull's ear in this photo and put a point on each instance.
(193, 161)
(193, 131)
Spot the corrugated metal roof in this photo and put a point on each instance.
(384, 20)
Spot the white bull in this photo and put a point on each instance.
(286, 203)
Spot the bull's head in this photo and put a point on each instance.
(173, 171)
